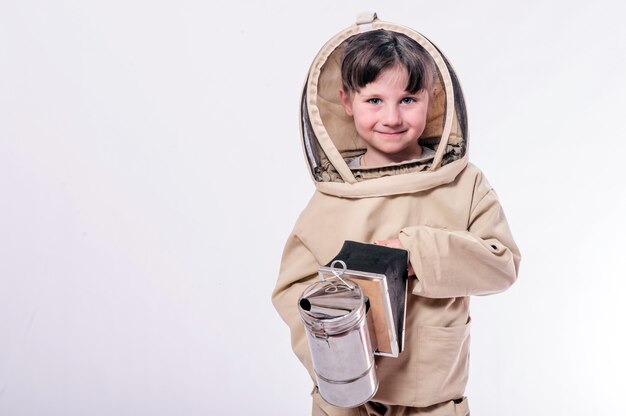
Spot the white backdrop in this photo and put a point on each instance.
(151, 170)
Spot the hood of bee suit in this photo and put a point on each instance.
(330, 139)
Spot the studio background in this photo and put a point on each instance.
(151, 171)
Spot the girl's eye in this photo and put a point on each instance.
(408, 100)
(374, 101)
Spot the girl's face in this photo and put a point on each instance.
(388, 118)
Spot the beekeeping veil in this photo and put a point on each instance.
(330, 139)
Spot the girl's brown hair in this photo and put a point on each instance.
(367, 54)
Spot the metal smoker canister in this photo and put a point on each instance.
(334, 315)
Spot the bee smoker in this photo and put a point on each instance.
(334, 316)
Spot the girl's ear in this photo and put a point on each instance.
(346, 101)
(432, 93)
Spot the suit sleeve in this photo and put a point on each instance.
(481, 260)
(297, 271)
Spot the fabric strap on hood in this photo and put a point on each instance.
(330, 139)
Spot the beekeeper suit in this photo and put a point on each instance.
(442, 210)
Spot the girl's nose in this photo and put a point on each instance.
(392, 116)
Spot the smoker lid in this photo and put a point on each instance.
(331, 299)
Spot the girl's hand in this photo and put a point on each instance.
(395, 244)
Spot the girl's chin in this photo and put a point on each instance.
(385, 157)
(392, 150)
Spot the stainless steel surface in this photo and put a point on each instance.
(334, 317)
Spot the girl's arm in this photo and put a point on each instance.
(297, 271)
(480, 261)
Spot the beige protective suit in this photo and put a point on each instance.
(444, 212)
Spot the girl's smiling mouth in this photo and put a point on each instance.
(391, 133)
